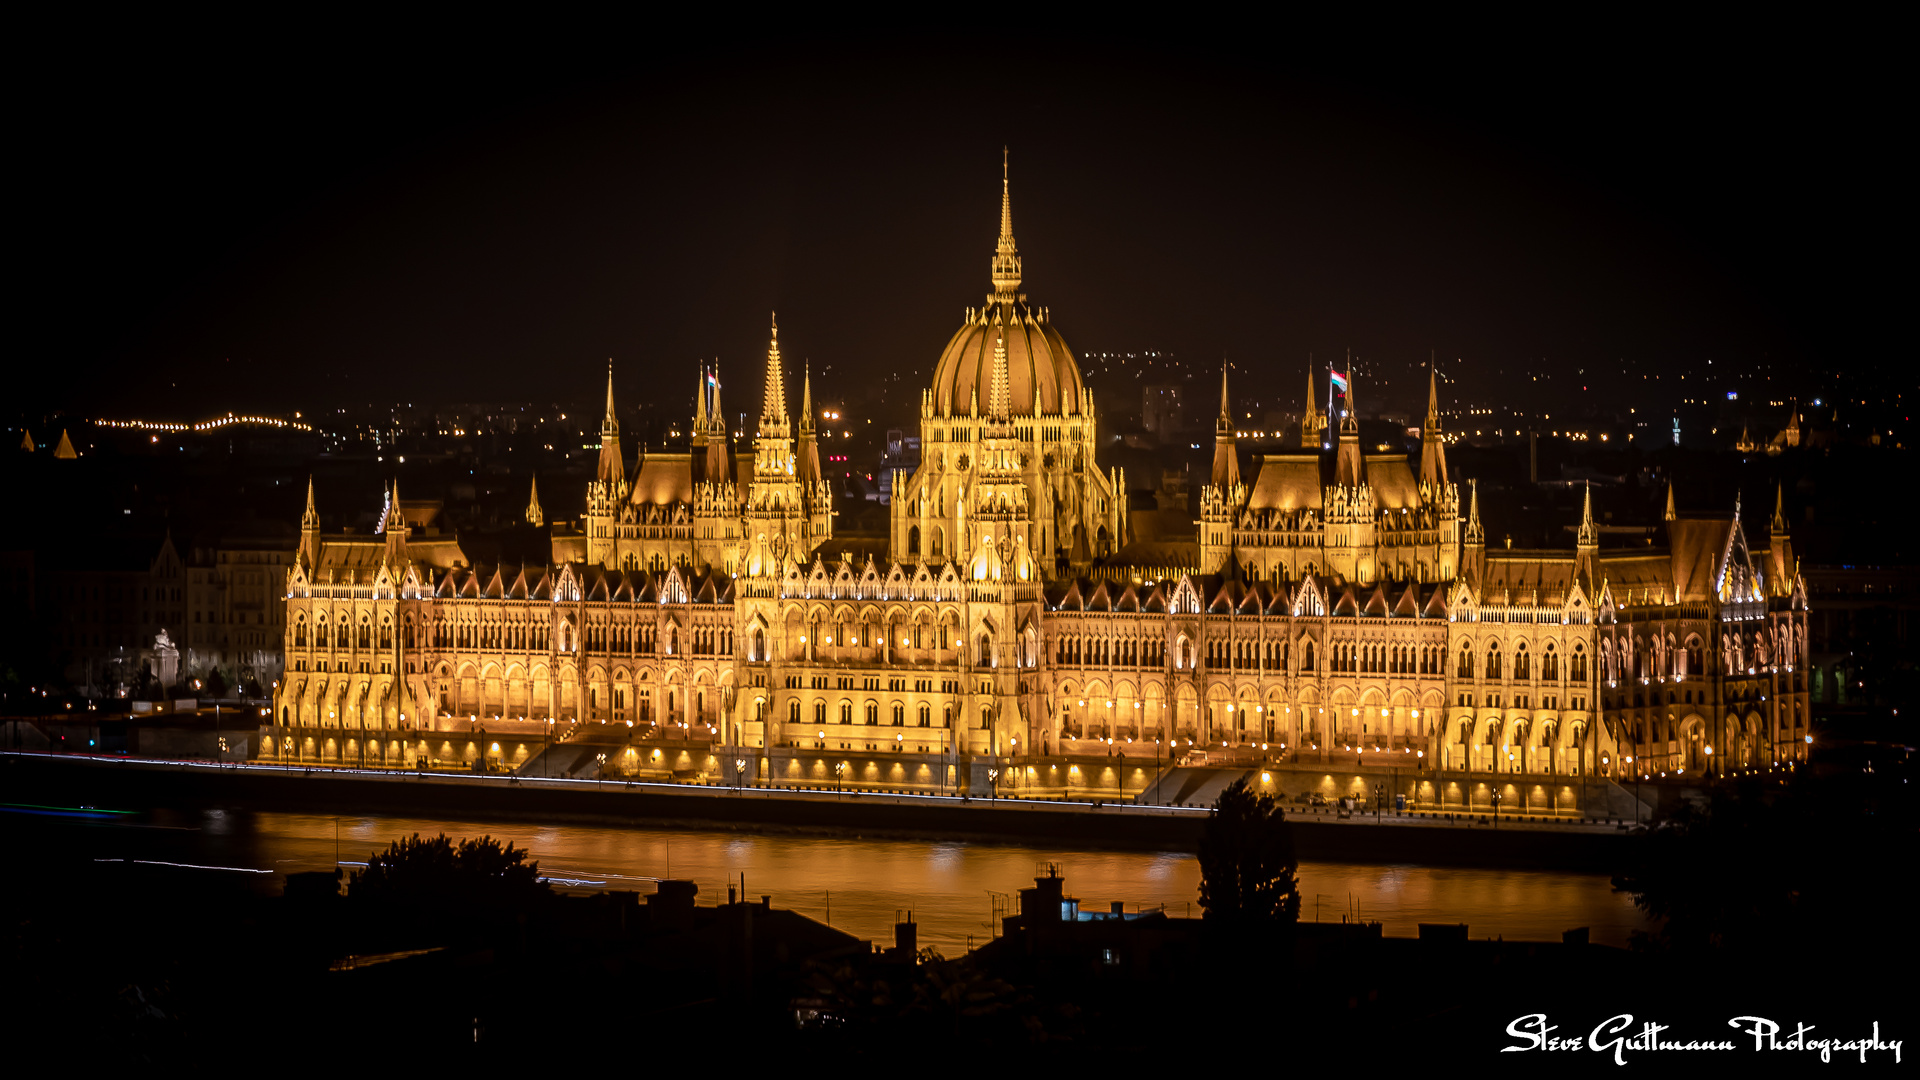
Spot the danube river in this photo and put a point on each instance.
(864, 885)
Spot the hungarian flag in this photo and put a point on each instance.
(1339, 381)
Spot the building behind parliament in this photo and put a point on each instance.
(1335, 608)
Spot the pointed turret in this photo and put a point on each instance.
(773, 400)
(612, 469)
(309, 552)
(64, 451)
(26, 441)
(809, 464)
(700, 401)
(1006, 257)
(1433, 445)
(1473, 553)
(1226, 457)
(1312, 424)
(1782, 567)
(535, 516)
(1589, 534)
(1672, 514)
(718, 469)
(395, 530)
(1350, 466)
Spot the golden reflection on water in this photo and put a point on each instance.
(864, 885)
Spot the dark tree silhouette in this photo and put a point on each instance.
(483, 873)
(1248, 871)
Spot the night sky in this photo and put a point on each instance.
(324, 219)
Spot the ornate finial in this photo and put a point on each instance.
(1589, 535)
(700, 398)
(535, 516)
(1226, 411)
(1006, 260)
(806, 398)
(609, 423)
(312, 515)
(1476, 534)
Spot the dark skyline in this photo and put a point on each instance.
(297, 232)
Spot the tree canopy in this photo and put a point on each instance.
(480, 873)
(1249, 874)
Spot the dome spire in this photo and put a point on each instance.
(1006, 259)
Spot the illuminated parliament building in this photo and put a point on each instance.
(1337, 615)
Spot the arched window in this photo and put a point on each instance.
(926, 716)
(846, 712)
(1550, 665)
(300, 632)
(1493, 660)
(759, 645)
(939, 542)
(1520, 664)
(913, 540)
(793, 712)
(899, 715)
(873, 712)
(1306, 656)
(1466, 661)
(1579, 666)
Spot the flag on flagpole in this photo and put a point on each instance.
(1339, 380)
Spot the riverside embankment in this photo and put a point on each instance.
(134, 784)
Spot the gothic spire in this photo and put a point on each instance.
(999, 393)
(535, 516)
(1006, 258)
(1226, 459)
(1476, 533)
(1589, 535)
(773, 407)
(1350, 419)
(1672, 515)
(310, 519)
(700, 400)
(806, 400)
(612, 468)
(1778, 525)
(1432, 422)
(719, 416)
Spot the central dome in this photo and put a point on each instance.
(1038, 361)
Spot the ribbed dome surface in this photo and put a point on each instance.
(1037, 356)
